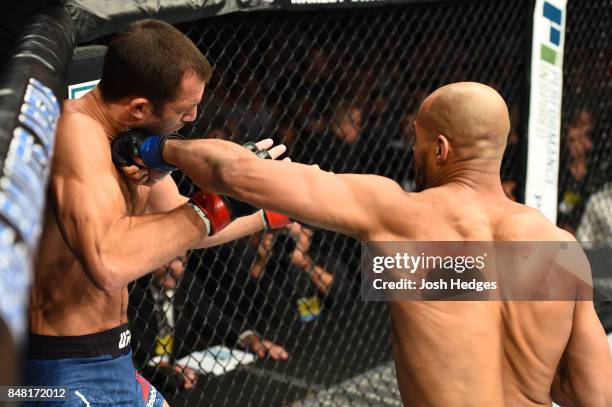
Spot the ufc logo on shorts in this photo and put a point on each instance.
(124, 340)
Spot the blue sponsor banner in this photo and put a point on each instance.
(27, 165)
(15, 280)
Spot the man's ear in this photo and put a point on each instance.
(442, 147)
(140, 108)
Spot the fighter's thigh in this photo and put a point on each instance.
(148, 394)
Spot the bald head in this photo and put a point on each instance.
(472, 116)
(461, 131)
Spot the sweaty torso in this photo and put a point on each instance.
(64, 300)
(467, 353)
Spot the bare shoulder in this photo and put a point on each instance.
(523, 223)
(82, 164)
(371, 181)
(379, 199)
(80, 140)
(73, 119)
(401, 214)
(373, 188)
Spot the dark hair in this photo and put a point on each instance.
(150, 59)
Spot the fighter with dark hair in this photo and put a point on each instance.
(102, 231)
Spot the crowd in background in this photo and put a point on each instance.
(347, 112)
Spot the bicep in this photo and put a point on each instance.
(347, 203)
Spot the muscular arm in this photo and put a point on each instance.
(165, 197)
(584, 377)
(352, 204)
(113, 248)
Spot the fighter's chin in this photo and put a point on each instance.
(172, 130)
(162, 130)
(152, 129)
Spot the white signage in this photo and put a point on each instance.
(545, 106)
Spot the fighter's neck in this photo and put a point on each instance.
(482, 180)
(104, 113)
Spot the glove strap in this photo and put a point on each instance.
(214, 209)
(202, 216)
(151, 152)
(274, 220)
(252, 147)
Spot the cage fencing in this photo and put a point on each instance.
(340, 88)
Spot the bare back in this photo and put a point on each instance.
(473, 352)
(64, 299)
(446, 353)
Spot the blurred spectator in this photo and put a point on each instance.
(407, 127)
(299, 257)
(347, 123)
(254, 117)
(274, 280)
(595, 228)
(405, 166)
(595, 233)
(575, 170)
(333, 142)
(222, 271)
(170, 319)
(344, 137)
(285, 269)
(287, 278)
(236, 106)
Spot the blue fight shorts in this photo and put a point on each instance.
(95, 370)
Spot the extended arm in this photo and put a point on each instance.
(356, 205)
(165, 196)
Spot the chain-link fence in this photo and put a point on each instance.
(585, 197)
(585, 173)
(339, 88)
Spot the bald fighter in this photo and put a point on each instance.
(446, 353)
(101, 231)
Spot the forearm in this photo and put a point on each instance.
(135, 245)
(241, 227)
(228, 169)
(205, 161)
(301, 192)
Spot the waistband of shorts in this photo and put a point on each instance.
(114, 342)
